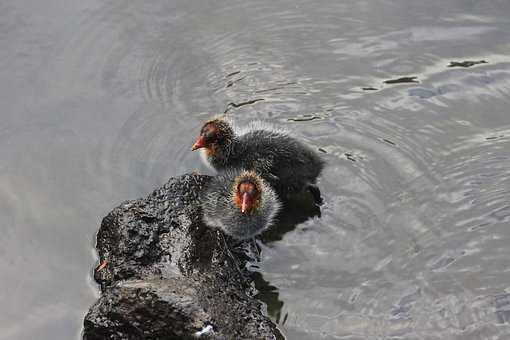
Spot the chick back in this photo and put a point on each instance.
(283, 161)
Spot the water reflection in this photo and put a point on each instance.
(296, 209)
(270, 296)
(402, 80)
(466, 63)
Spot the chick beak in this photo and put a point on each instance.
(246, 204)
(200, 143)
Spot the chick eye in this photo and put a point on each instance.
(209, 133)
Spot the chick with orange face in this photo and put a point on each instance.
(287, 164)
(214, 139)
(240, 203)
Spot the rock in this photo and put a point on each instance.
(165, 275)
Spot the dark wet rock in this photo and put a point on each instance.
(165, 275)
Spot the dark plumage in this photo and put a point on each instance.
(240, 203)
(285, 163)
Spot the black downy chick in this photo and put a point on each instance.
(287, 164)
(240, 203)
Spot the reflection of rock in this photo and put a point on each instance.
(168, 276)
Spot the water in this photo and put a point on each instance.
(101, 101)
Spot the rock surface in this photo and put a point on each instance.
(165, 275)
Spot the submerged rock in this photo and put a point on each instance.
(165, 275)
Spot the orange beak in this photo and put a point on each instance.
(246, 204)
(200, 143)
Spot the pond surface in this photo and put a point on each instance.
(408, 100)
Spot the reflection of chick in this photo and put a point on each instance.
(240, 203)
(288, 165)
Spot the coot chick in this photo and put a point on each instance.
(287, 164)
(240, 203)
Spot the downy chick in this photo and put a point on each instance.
(287, 164)
(240, 203)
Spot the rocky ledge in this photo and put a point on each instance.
(165, 275)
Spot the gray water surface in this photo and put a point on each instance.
(101, 101)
